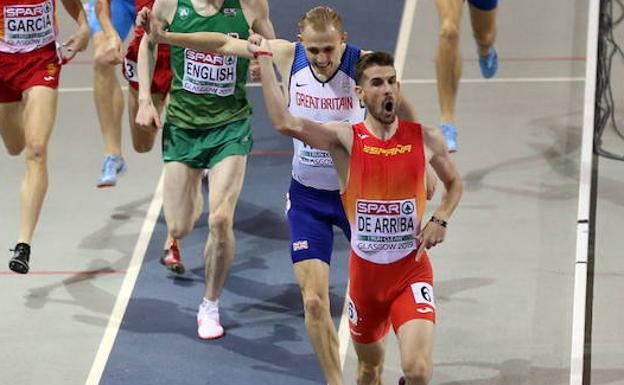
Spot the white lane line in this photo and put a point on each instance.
(502, 80)
(81, 89)
(400, 52)
(582, 292)
(409, 81)
(344, 336)
(125, 292)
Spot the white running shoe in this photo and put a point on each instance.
(208, 325)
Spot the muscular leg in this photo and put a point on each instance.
(416, 345)
(448, 61)
(313, 278)
(180, 198)
(108, 98)
(483, 28)
(370, 362)
(11, 127)
(39, 115)
(225, 181)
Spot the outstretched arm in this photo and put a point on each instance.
(205, 41)
(434, 231)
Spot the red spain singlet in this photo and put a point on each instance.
(386, 194)
(384, 200)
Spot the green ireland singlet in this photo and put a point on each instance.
(208, 90)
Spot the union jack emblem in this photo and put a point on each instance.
(300, 245)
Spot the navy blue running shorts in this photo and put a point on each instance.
(312, 213)
(484, 5)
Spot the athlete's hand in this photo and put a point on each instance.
(256, 42)
(77, 42)
(147, 117)
(113, 53)
(143, 18)
(429, 236)
(157, 31)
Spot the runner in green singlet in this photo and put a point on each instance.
(207, 125)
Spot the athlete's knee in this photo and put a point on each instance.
(449, 31)
(220, 223)
(369, 373)
(36, 152)
(314, 306)
(179, 228)
(417, 371)
(103, 71)
(484, 38)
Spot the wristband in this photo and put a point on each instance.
(438, 221)
(262, 53)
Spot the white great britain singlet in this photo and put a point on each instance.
(332, 100)
(27, 25)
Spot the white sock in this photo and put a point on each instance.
(210, 305)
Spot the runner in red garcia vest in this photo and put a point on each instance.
(381, 164)
(30, 66)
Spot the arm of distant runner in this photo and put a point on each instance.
(102, 11)
(147, 117)
(446, 170)
(113, 54)
(435, 146)
(321, 136)
(79, 40)
(262, 24)
(146, 61)
(157, 18)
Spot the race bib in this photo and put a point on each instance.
(386, 226)
(313, 157)
(28, 25)
(130, 68)
(423, 294)
(209, 73)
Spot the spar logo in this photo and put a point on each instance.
(385, 208)
(205, 58)
(28, 10)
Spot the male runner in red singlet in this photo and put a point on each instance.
(29, 75)
(381, 165)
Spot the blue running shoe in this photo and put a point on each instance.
(489, 63)
(450, 132)
(114, 166)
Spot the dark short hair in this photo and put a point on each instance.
(376, 58)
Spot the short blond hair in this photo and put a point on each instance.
(320, 18)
